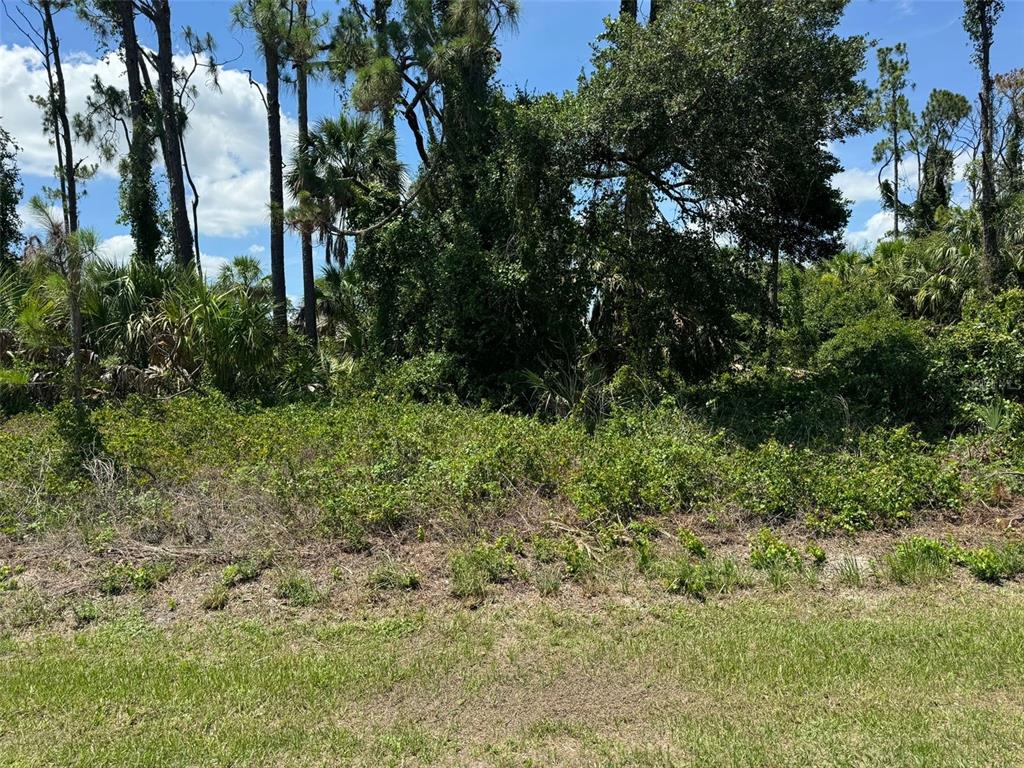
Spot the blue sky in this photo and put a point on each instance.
(547, 53)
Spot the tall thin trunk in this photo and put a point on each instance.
(627, 9)
(271, 58)
(141, 204)
(184, 251)
(65, 125)
(195, 198)
(895, 168)
(308, 280)
(58, 141)
(989, 244)
(71, 213)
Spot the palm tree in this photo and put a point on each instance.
(350, 166)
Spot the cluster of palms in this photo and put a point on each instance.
(156, 328)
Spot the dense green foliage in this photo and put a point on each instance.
(376, 465)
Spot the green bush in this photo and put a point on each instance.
(891, 475)
(768, 552)
(882, 362)
(981, 359)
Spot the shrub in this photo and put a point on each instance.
(981, 358)
(891, 475)
(880, 361)
(919, 560)
(768, 552)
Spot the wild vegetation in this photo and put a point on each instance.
(586, 362)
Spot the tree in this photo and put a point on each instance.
(10, 196)
(936, 142)
(892, 112)
(980, 18)
(302, 46)
(139, 192)
(270, 22)
(159, 13)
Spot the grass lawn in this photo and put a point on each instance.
(900, 678)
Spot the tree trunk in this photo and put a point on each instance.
(142, 213)
(989, 245)
(55, 125)
(627, 9)
(71, 214)
(308, 280)
(895, 169)
(183, 244)
(61, 109)
(271, 57)
(773, 289)
(656, 8)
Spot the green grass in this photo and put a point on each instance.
(908, 679)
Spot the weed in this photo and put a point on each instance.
(707, 577)
(474, 569)
(546, 549)
(85, 612)
(7, 581)
(994, 564)
(216, 599)
(849, 573)
(246, 570)
(392, 575)
(579, 563)
(816, 553)
(548, 580)
(125, 577)
(918, 560)
(298, 589)
(692, 544)
(770, 553)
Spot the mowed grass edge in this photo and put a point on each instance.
(901, 679)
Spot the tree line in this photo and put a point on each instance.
(645, 219)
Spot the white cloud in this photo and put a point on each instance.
(226, 135)
(211, 265)
(118, 248)
(873, 230)
(858, 185)
(255, 249)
